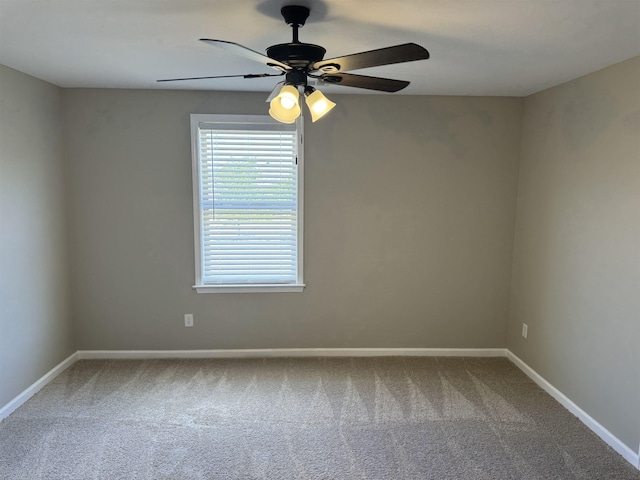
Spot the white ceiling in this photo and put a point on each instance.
(478, 47)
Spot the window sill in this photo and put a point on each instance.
(258, 288)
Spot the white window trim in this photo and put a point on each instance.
(196, 120)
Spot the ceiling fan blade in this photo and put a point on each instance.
(249, 75)
(363, 81)
(246, 53)
(407, 52)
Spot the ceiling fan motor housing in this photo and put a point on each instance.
(298, 55)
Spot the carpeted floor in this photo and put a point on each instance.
(321, 418)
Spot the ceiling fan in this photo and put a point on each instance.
(298, 61)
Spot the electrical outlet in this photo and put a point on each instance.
(188, 319)
(525, 329)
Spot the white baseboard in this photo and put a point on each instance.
(10, 407)
(293, 352)
(632, 457)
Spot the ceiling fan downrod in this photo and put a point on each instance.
(300, 56)
(295, 16)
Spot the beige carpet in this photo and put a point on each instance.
(322, 418)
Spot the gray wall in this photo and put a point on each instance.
(576, 276)
(35, 321)
(409, 218)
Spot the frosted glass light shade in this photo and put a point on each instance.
(285, 107)
(318, 104)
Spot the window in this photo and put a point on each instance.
(247, 183)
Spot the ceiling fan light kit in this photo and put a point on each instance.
(298, 61)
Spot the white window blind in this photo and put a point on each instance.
(249, 209)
